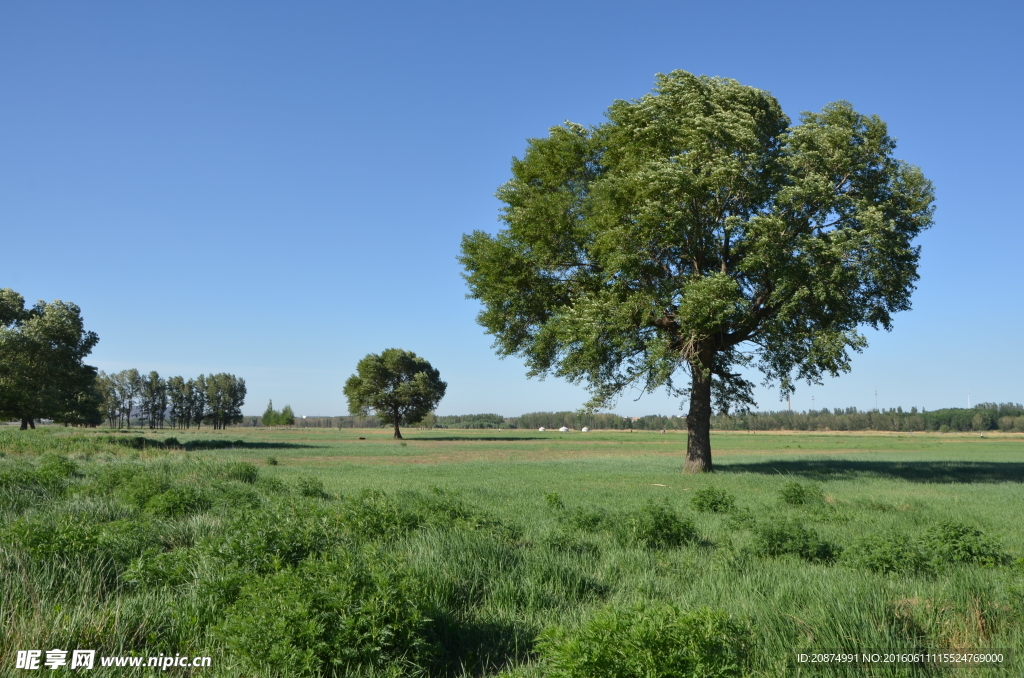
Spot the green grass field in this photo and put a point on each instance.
(517, 553)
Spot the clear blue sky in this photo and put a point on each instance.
(277, 189)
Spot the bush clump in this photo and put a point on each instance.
(309, 486)
(946, 543)
(954, 542)
(57, 466)
(587, 520)
(554, 501)
(799, 494)
(790, 537)
(648, 642)
(243, 472)
(281, 534)
(346, 614)
(712, 500)
(890, 554)
(155, 569)
(137, 489)
(657, 526)
(177, 501)
(22, 485)
(73, 536)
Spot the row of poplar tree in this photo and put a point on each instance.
(153, 401)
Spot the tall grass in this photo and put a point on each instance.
(284, 571)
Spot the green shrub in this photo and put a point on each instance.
(309, 486)
(790, 537)
(156, 569)
(277, 535)
(712, 500)
(171, 442)
(75, 535)
(587, 520)
(57, 466)
(177, 501)
(236, 495)
(554, 501)
(653, 642)
(243, 472)
(372, 515)
(272, 461)
(21, 484)
(140, 487)
(954, 542)
(272, 486)
(51, 534)
(445, 509)
(342, 615)
(893, 553)
(797, 494)
(742, 519)
(108, 478)
(656, 526)
(946, 543)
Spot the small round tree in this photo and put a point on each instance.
(270, 416)
(397, 386)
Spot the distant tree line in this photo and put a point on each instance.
(467, 421)
(983, 417)
(319, 422)
(150, 400)
(577, 420)
(554, 420)
(339, 422)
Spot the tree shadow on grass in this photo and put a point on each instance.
(484, 437)
(918, 471)
(242, 445)
(479, 648)
(172, 443)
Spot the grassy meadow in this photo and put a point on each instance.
(313, 552)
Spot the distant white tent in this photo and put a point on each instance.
(585, 430)
(564, 429)
(542, 429)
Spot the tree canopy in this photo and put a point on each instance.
(695, 232)
(41, 370)
(397, 386)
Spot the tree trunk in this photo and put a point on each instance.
(24, 423)
(398, 434)
(698, 423)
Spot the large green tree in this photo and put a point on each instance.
(397, 386)
(695, 232)
(41, 370)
